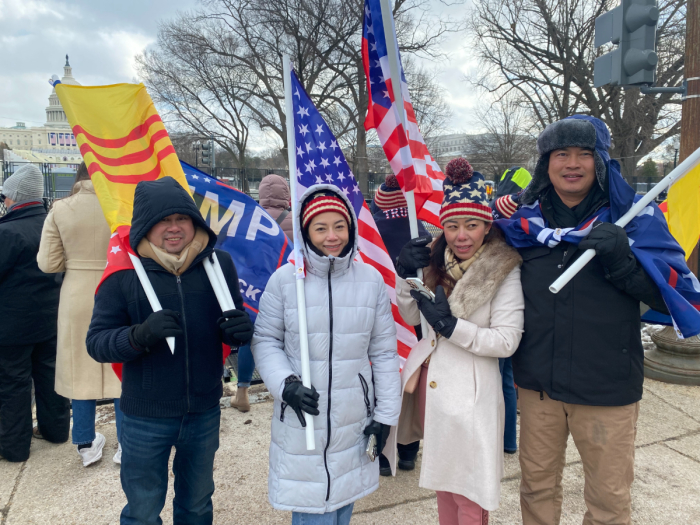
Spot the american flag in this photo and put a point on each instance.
(321, 161)
(410, 160)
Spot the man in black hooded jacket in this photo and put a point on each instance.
(168, 398)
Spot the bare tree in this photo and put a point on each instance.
(218, 71)
(543, 50)
(507, 139)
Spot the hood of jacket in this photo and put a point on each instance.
(273, 192)
(155, 200)
(578, 130)
(320, 264)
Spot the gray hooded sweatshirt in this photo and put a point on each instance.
(354, 368)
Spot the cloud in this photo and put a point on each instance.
(102, 39)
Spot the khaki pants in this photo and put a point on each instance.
(604, 437)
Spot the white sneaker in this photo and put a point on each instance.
(93, 453)
(118, 456)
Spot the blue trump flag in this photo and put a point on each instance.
(244, 229)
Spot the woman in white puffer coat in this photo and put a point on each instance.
(356, 386)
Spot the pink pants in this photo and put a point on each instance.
(454, 509)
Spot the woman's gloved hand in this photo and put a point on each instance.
(437, 313)
(612, 248)
(381, 431)
(300, 398)
(236, 327)
(158, 326)
(414, 256)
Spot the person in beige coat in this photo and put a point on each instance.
(74, 240)
(453, 397)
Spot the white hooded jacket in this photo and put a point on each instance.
(354, 368)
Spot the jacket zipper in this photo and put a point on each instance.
(365, 389)
(283, 406)
(330, 378)
(187, 353)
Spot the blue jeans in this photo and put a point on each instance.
(510, 443)
(146, 445)
(84, 420)
(337, 517)
(246, 365)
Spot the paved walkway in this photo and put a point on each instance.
(53, 488)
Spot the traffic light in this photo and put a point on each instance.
(631, 25)
(206, 153)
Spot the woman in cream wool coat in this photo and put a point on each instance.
(457, 406)
(74, 240)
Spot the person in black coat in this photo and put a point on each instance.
(28, 323)
(168, 398)
(580, 364)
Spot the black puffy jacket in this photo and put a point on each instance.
(583, 344)
(159, 383)
(28, 296)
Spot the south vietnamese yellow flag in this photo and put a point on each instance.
(123, 141)
(683, 210)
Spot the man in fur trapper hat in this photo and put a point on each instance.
(390, 213)
(580, 364)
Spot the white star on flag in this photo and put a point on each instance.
(299, 174)
(195, 176)
(386, 94)
(309, 147)
(310, 166)
(319, 180)
(115, 249)
(300, 151)
(334, 144)
(319, 130)
(345, 191)
(341, 177)
(325, 163)
(329, 177)
(207, 180)
(303, 129)
(322, 147)
(337, 161)
(356, 189)
(303, 111)
(296, 93)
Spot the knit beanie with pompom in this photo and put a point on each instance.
(464, 193)
(389, 194)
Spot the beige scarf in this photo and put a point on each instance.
(457, 267)
(175, 264)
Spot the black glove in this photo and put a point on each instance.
(437, 313)
(414, 256)
(612, 248)
(381, 431)
(300, 398)
(236, 328)
(158, 326)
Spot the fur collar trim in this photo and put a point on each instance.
(483, 278)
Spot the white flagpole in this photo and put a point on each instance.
(150, 292)
(392, 49)
(298, 259)
(678, 173)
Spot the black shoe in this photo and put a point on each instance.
(384, 466)
(407, 464)
(510, 451)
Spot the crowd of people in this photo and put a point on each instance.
(489, 323)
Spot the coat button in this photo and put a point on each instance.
(432, 343)
(624, 350)
(433, 384)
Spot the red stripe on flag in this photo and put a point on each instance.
(153, 174)
(131, 158)
(525, 225)
(138, 132)
(673, 278)
(284, 247)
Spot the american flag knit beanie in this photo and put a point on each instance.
(321, 202)
(464, 193)
(389, 194)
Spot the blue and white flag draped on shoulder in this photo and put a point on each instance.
(244, 229)
(650, 240)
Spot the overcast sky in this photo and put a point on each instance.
(103, 37)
